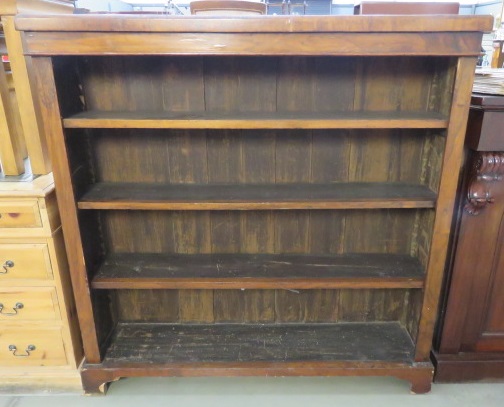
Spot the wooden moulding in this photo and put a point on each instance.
(280, 24)
(369, 349)
(260, 271)
(219, 43)
(144, 196)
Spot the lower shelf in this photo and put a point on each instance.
(242, 343)
(339, 349)
(289, 271)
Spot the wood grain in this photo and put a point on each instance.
(257, 271)
(252, 120)
(203, 343)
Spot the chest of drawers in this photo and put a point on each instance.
(39, 340)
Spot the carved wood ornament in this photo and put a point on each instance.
(488, 168)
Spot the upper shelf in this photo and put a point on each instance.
(256, 120)
(351, 195)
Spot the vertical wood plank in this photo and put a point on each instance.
(139, 231)
(315, 84)
(444, 208)
(244, 306)
(31, 120)
(146, 305)
(243, 84)
(49, 107)
(306, 306)
(11, 152)
(183, 88)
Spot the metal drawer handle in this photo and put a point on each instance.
(6, 266)
(29, 348)
(17, 306)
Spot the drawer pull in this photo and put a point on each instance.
(17, 306)
(6, 266)
(28, 350)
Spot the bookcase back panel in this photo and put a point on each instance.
(267, 306)
(266, 84)
(316, 232)
(263, 157)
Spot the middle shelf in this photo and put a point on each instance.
(258, 271)
(351, 195)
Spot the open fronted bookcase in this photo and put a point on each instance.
(255, 196)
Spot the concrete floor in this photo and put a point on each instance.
(276, 392)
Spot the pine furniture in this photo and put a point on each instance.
(20, 129)
(40, 344)
(255, 195)
(470, 337)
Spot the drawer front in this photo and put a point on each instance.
(34, 305)
(32, 347)
(24, 261)
(20, 214)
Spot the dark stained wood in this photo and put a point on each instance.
(285, 24)
(96, 377)
(278, 106)
(445, 205)
(468, 367)
(151, 343)
(470, 338)
(485, 123)
(355, 44)
(49, 107)
(253, 196)
(253, 120)
(258, 271)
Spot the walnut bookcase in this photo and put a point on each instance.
(255, 196)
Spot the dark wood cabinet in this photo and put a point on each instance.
(256, 196)
(470, 343)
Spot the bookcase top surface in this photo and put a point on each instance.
(244, 24)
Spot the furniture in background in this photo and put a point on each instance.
(498, 54)
(406, 8)
(231, 7)
(12, 143)
(254, 196)
(40, 345)
(20, 130)
(470, 336)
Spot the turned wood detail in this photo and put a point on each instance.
(488, 168)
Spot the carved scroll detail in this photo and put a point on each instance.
(488, 168)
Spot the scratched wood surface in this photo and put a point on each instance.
(135, 161)
(168, 343)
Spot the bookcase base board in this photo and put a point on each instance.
(306, 349)
(96, 378)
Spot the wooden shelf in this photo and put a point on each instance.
(359, 195)
(260, 271)
(221, 344)
(256, 120)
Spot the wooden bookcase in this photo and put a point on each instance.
(255, 196)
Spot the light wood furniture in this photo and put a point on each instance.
(256, 196)
(470, 345)
(20, 130)
(40, 346)
(228, 7)
(12, 144)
